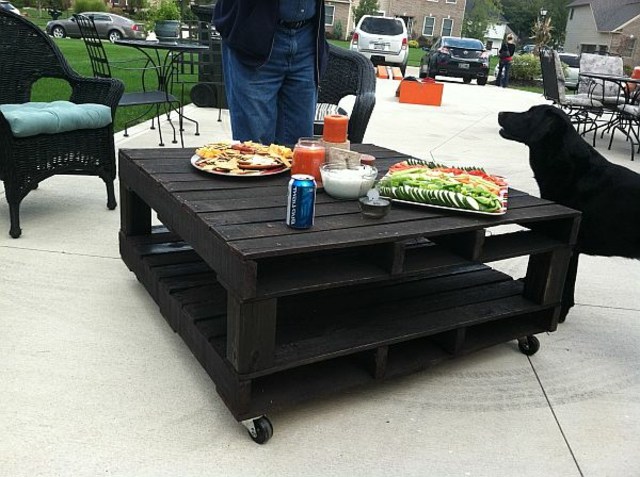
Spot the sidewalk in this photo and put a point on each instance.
(94, 382)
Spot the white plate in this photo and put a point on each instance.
(444, 207)
(252, 173)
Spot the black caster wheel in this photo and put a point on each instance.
(260, 429)
(529, 345)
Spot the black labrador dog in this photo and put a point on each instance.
(571, 172)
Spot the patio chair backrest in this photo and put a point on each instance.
(552, 76)
(609, 65)
(350, 73)
(93, 43)
(26, 55)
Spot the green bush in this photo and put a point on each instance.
(165, 10)
(338, 30)
(525, 67)
(89, 6)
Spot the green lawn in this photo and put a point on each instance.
(76, 54)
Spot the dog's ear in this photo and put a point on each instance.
(550, 123)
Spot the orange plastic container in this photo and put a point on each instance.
(417, 92)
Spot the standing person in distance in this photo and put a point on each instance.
(274, 53)
(506, 52)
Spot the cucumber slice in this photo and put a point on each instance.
(472, 203)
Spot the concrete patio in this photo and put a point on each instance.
(94, 382)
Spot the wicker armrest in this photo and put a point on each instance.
(107, 91)
(362, 109)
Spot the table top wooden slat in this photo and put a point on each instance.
(248, 214)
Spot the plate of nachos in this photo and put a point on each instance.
(242, 159)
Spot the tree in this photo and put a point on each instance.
(541, 32)
(365, 7)
(522, 16)
(478, 18)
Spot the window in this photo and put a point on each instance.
(603, 49)
(329, 12)
(429, 25)
(584, 48)
(382, 26)
(447, 26)
(101, 18)
(452, 1)
(571, 14)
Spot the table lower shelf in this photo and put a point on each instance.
(333, 340)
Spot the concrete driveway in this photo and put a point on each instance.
(94, 382)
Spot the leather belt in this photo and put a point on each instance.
(295, 25)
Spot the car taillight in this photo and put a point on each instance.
(354, 39)
(444, 50)
(404, 43)
(135, 27)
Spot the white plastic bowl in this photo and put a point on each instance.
(342, 183)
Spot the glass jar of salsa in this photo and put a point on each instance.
(308, 156)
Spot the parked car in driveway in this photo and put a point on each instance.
(571, 63)
(464, 58)
(571, 69)
(383, 40)
(5, 5)
(109, 26)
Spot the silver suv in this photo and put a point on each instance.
(383, 40)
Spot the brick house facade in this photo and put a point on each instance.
(429, 18)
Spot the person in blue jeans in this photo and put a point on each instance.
(506, 52)
(273, 54)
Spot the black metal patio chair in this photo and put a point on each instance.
(583, 109)
(348, 73)
(159, 98)
(46, 148)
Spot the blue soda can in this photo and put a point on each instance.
(301, 201)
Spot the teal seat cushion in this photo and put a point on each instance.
(31, 119)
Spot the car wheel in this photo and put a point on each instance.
(422, 73)
(114, 35)
(430, 74)
(403, 69)
(482, 81)
(58, 32)
(466, 79)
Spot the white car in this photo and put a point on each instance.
(383, 40)
(571, 69)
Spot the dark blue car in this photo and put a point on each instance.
(464, 58)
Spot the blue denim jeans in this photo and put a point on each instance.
(504, 78)
(276, 102)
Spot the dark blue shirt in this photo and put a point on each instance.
(296, 10)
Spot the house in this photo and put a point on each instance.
(495, 34)
(605, 27)
(428, 18)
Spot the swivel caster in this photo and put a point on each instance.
(260, 429)
(529, 345)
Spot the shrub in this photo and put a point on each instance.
(414, 44)
(338, 30)
(165, 10)
(89, 6)
(525, 67)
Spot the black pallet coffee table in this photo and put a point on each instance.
(278, 316)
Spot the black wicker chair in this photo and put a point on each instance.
(27, 54)
(102, 69)
(348, 73)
